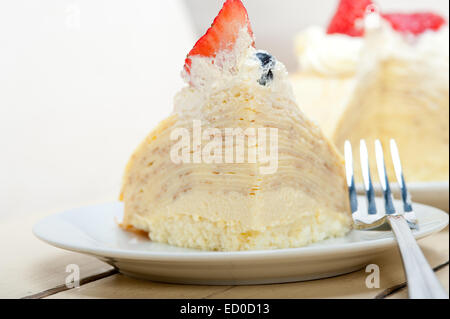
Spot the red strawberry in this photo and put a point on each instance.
(223, 31)
(414, 23)
(346, 17)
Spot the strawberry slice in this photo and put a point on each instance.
(349, 12)
(415, 23)
(223, 32)
(346, 17)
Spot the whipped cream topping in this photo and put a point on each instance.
(341, 55)
(229, 68)
(406, 57)
(329, 54)
(431, 48)
(435, 46)
(208, 72)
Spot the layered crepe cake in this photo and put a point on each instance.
(292, 197)
(387, 80)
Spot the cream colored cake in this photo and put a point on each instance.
(300, 199)
(387, 86)
(402, 93)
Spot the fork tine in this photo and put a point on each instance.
(400, 178)
(407, 205)
(384, 181)
(364, 157)
(349, 174)
(361, 220)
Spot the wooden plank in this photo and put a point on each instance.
(30, 266)
(120, 286)
(442, 275)
(347, 286)
(351, 285)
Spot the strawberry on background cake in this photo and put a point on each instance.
(372, 74)
(231, 204)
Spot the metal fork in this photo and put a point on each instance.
(422, 282)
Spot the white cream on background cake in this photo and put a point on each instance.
(326, 76)
(230, 205)
(389, 82)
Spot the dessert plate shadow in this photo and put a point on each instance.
(94, 231)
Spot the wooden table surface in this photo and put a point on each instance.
(30, 268)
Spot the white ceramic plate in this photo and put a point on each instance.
(430, 193)
(93, 230)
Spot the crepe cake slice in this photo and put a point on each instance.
(288, 198)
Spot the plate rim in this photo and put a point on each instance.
(219, 256)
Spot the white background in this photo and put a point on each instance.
(82, 82)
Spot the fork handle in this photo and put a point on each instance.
(422, 282)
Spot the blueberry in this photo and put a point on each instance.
(267, 63)
(264, 57)
(266, 77)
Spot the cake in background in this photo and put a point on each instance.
(236, 206)
(371, 75)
